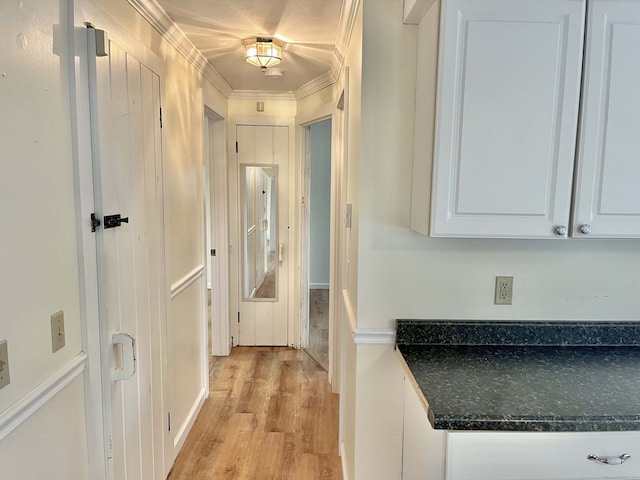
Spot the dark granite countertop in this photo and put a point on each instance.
(526, 376)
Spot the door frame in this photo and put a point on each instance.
(304, 175)
(216, 166)
(97, 403)
(235, 293)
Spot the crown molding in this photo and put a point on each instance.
(345, 29)
(153, 12)
(156, 15)
(261, 95)
(315, 85)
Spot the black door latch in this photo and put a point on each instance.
(111, 221)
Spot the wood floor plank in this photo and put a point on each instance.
(270, 415)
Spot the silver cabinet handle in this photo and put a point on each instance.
(561, 231)
(610, 460)
(585, 229)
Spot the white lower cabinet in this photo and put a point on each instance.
(541, 456)
(423, 452)
(430, 454)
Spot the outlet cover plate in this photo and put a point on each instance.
(4, 364)
(57, 331)
(504, 291)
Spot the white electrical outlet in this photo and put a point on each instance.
(57, 331)
(504, 291)
(4, 364)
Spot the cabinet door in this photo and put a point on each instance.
(508, 98)
(607, 189)
(423, 452)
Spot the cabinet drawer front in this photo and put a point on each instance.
(540, 456)
(508, 94)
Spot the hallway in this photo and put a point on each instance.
(270, 415)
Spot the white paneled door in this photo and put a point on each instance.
(508, 98)
(126, 146)
(607, 202)
(263, 156)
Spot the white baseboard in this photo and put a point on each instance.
(318, 286)
(181, 435)
(29, 404)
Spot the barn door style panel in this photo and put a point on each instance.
(508, 99)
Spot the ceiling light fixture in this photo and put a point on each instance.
(263, 52)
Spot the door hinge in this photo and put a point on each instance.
(238, 317)
(213, 252)
(236, 147)
(169, 420)
(95, 222)
(160, 117)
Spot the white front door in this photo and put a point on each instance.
(263, 156)
(126, 144)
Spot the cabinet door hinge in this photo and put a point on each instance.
(236, 147)
(169, 420)
(160, 117)
(238, 317)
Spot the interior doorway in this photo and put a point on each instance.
(318, 238)
(215, 175)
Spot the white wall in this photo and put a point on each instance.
(38, 258)
(320, 203)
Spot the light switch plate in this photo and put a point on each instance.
(4, 364)
(57, 331)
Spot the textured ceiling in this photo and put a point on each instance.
(217, 28)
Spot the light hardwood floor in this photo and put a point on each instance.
(319, 326)
(270, 415)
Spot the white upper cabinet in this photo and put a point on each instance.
(508, 101)
(607, 190)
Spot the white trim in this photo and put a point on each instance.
(86, 246)
(318, 286)
(31, 402)
(315, 85)
(345, 29)
(366, 336)
(185, 428)
(188, 279)
(345, 474)
(153, 13)
(348, 308)
(374, 336)
(261, 95)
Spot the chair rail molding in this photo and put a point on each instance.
(180, 285)
(30, 403)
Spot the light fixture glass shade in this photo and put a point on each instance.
(263, 52)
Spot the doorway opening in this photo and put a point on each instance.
(318, 238)
(215, 177)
